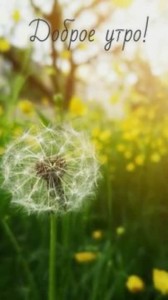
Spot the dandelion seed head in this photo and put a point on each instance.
(50, 170)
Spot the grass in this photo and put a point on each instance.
(134, 199)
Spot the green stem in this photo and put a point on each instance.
(52, 259)
(18, 250)
(109, 198)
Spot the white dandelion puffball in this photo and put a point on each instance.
(52, 170)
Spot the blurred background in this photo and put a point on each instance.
(120, 99)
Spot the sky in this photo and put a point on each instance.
(154, 50)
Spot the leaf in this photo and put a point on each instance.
(16, 87)
(43, 118)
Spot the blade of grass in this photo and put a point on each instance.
(24, 263)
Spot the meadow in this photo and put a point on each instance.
(115, 247)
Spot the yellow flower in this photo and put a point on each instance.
(160, 280)
(155, 157)
(131, 135)
(159, 142)
(120, 148)
(120, 230)
(139, 159)
(165, 132)
(16, 15)
(83, 46)
(103, 159)
(1, 110)
(105, 135)
(122, 3)
(115, 97)
(18, 131)
(97, 145)
(151, 114)
(96, 132)
(97, 234)
(85, 257)
(26, 106)
(4, 45)
(127, 154)
(65, 54)
(130, 167)
(163, 150)
(77, 107)
(50, 71)
(135, 284)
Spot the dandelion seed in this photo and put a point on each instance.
(50, 170)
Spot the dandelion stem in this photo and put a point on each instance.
(52, 259)
(23, 261)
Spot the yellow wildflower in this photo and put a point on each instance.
(1, 110)
(163, 150)
(97, 145)
(77, 107)
(115, 97)
(120, 230)
(83, 46)
(127, 136)
(139, 159)
(131, 135)
(97, 234)
(151, 114)
(159, 143)
(105, 135)
(103, 159)
(141, 112)
(26, 106)
(96, 132)
(16, 15)
(130, 167)
(4, 45)
(65, 54)
(160, 280)
(165, 132)
(117, 68)
(127, 154)
(18, 131)
(135, 284)
(122, 3)
(120, 148)
(50, 71)
(85, 257)
(155, 157)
